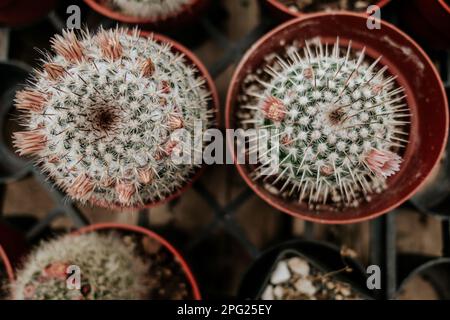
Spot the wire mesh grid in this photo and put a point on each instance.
(382, 230)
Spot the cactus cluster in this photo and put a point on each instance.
(341, 122)
(101, 113)
(151, 9)
(109, 269)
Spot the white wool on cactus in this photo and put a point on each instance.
(101, 113)
(149, 8)
(340, 119)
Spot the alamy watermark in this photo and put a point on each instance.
(245, 146)
(374, 16)
(73, 280)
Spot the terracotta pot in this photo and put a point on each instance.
(16, 13)
(282, 13)
(189, 13)
(416, 74)
(428, 21)
(135, 229)
(214, 104)
(6, 264)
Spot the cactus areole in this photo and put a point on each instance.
(100, 114)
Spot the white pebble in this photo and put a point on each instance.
(345, 291)
(278, 292)
(306, 287)
(299, 266)
(281, 273)
(268, 293)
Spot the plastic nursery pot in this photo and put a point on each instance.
(434, 197)
(430, 280)
(188, 13)
(12, 77)
(415, 73)
(281, 11)
(150, 234)
(16, 13)
(428, 21)
(321, 255)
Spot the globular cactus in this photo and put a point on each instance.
(152, 9)
(109, 269)
(340, 120)
(101, 114)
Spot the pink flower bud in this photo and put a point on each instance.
(274, 109)
(125, 190)
(29, 142)
(56, 270)
(30, 100)
(81, 187)
(382, 162)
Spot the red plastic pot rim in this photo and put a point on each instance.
(280, 6)
(445, 5)
(110, 13)
(136, 229)
(7, 264)
(192, 58)
(240, 69)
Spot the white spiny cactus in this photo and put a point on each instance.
(341, 122)
(101, 113)
(149, 8)
(108, 267)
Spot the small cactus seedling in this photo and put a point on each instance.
(101, 113)
(108, 269)
(341, 123)
(151, 9)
